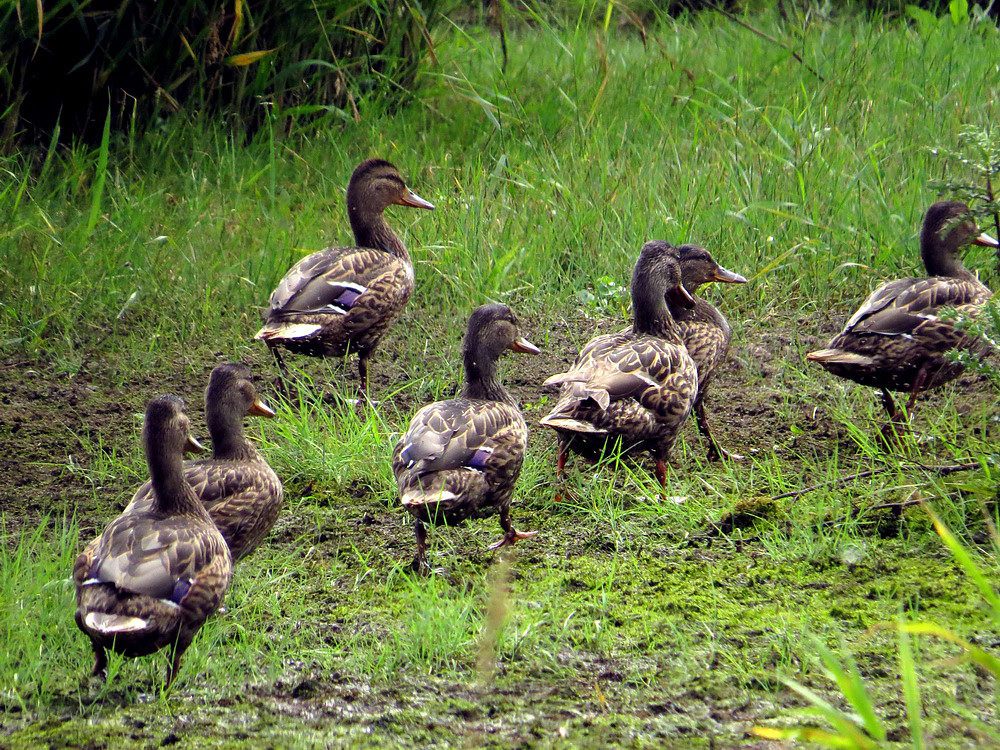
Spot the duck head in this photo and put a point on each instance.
(657, 273)
(375, 185)
(699, 267)
(944, 234)
(231, 389)
(491, 330)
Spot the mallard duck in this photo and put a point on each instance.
(154, 576)
(897, 340)
(460, 458)
(240, 491)
(704, 331)
(343, 299)
(638, 385)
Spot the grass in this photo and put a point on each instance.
(628, 620)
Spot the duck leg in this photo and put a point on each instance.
(511, 535)
(715, 451)
(890, 406)
(282, 369)
(175, 663)
(363, 373)
(100, 660)
(419, 564)
(897, 423)
(661, 475)
(918, 385)
(560, 470)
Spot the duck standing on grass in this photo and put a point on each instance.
(239, 489)
(153, 577)
(704, 331)
(343, 299)
(460, 458)
(637, 386)
(897, 340)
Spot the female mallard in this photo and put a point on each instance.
(342, 299)
(638, 385)
(704, 331)
(240, 491)
(460, 458)
(897, 340)
(154, 576)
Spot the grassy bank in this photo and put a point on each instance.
(628, 620)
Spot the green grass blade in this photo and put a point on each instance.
(100, 175)
(911, 690)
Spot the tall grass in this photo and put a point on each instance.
(810, 188)
(64, 63)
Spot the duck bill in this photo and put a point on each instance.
(524, 346)
(259, 409)
(985, 240)
(724, 274)
(193, 446)
(413, 200)
(680, 296)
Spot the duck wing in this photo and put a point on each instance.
(458, 434)
(903, 306)
(621, 366)
(331, 280)
(144, 553)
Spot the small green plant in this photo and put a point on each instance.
(979, 154)
(862, 728)
(959, 14)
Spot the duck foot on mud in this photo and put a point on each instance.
(511, 535)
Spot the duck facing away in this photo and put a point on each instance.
(343, 299)
(897, 341)
(236, 485)
(153, 577)
(460, 458)
(637, 386)
(704, 331)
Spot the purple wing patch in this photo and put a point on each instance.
(347, 298)
(181, 588)
(478, 460)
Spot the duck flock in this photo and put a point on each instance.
(159, 570)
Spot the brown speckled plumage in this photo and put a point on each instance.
(153, 576)
(239, 489)
(705, 333)
(343, 299)
(637, 386)
(460, 458)
(897, 340)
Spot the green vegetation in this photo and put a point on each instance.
(131, 268)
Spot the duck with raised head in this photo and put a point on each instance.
(153, 576)
(460, 458)
(703, 329)
(343, 299)
(637, 386)
(238, 488)
(897, 340)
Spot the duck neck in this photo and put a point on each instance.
(228, 442)
(939, 259)
(172, 494)
(371, 230)
(481, 380)
(652, 316)
(941, 262)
